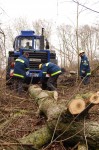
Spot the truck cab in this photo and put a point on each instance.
(28, 40)
(38, 51)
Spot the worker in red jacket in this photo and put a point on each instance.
(54, 71)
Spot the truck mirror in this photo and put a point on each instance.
(47, 44)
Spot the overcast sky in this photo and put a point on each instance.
(60, 11)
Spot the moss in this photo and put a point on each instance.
(38, 138)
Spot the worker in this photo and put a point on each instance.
(20, 69)
(28, 45)
(84, 68)
(54, 71)
(47, 44)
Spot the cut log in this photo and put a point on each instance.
(69, 131)
(36, 92)
(53, 94)
(76, 106)
(91, 97)
(38, 138)
(82, 147)
(50, 94)
(49, 106)
(77, 131)
(94, 99)
(65, 132)
(47, 101)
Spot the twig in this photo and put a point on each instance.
(72, 135)
(7, 144)
(85, 135)
(62, 145)
(55, 127)
(75, 146)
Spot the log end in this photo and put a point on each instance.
(42, 95)
(34, 90)
(94, 99)
(76, 106)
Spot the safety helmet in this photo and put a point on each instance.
(81, 51)
(40, 66)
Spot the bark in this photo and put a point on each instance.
(76, 132)
(38, 138)
(49, 106)
(47, 102)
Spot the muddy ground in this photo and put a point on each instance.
(11, 102)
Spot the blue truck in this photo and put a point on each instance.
(37, 47)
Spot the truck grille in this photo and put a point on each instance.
(37, 57)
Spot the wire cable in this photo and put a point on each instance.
(85, 6)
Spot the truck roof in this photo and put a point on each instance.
(29, 33)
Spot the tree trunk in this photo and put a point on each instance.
(47, 102)
(49, 106)
(76, 132)
(38, 138)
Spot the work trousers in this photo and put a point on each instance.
(85, 80)
(50, 83)
(18, 84)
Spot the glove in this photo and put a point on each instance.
(83, 71)
(27, 73)
(88, 74)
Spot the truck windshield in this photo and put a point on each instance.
(36, 44)
(26, 43)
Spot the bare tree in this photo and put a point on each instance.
(21, 24)
(14, 29)
(2, 50)
(39, 24)
(67, 44)
(89, 40)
